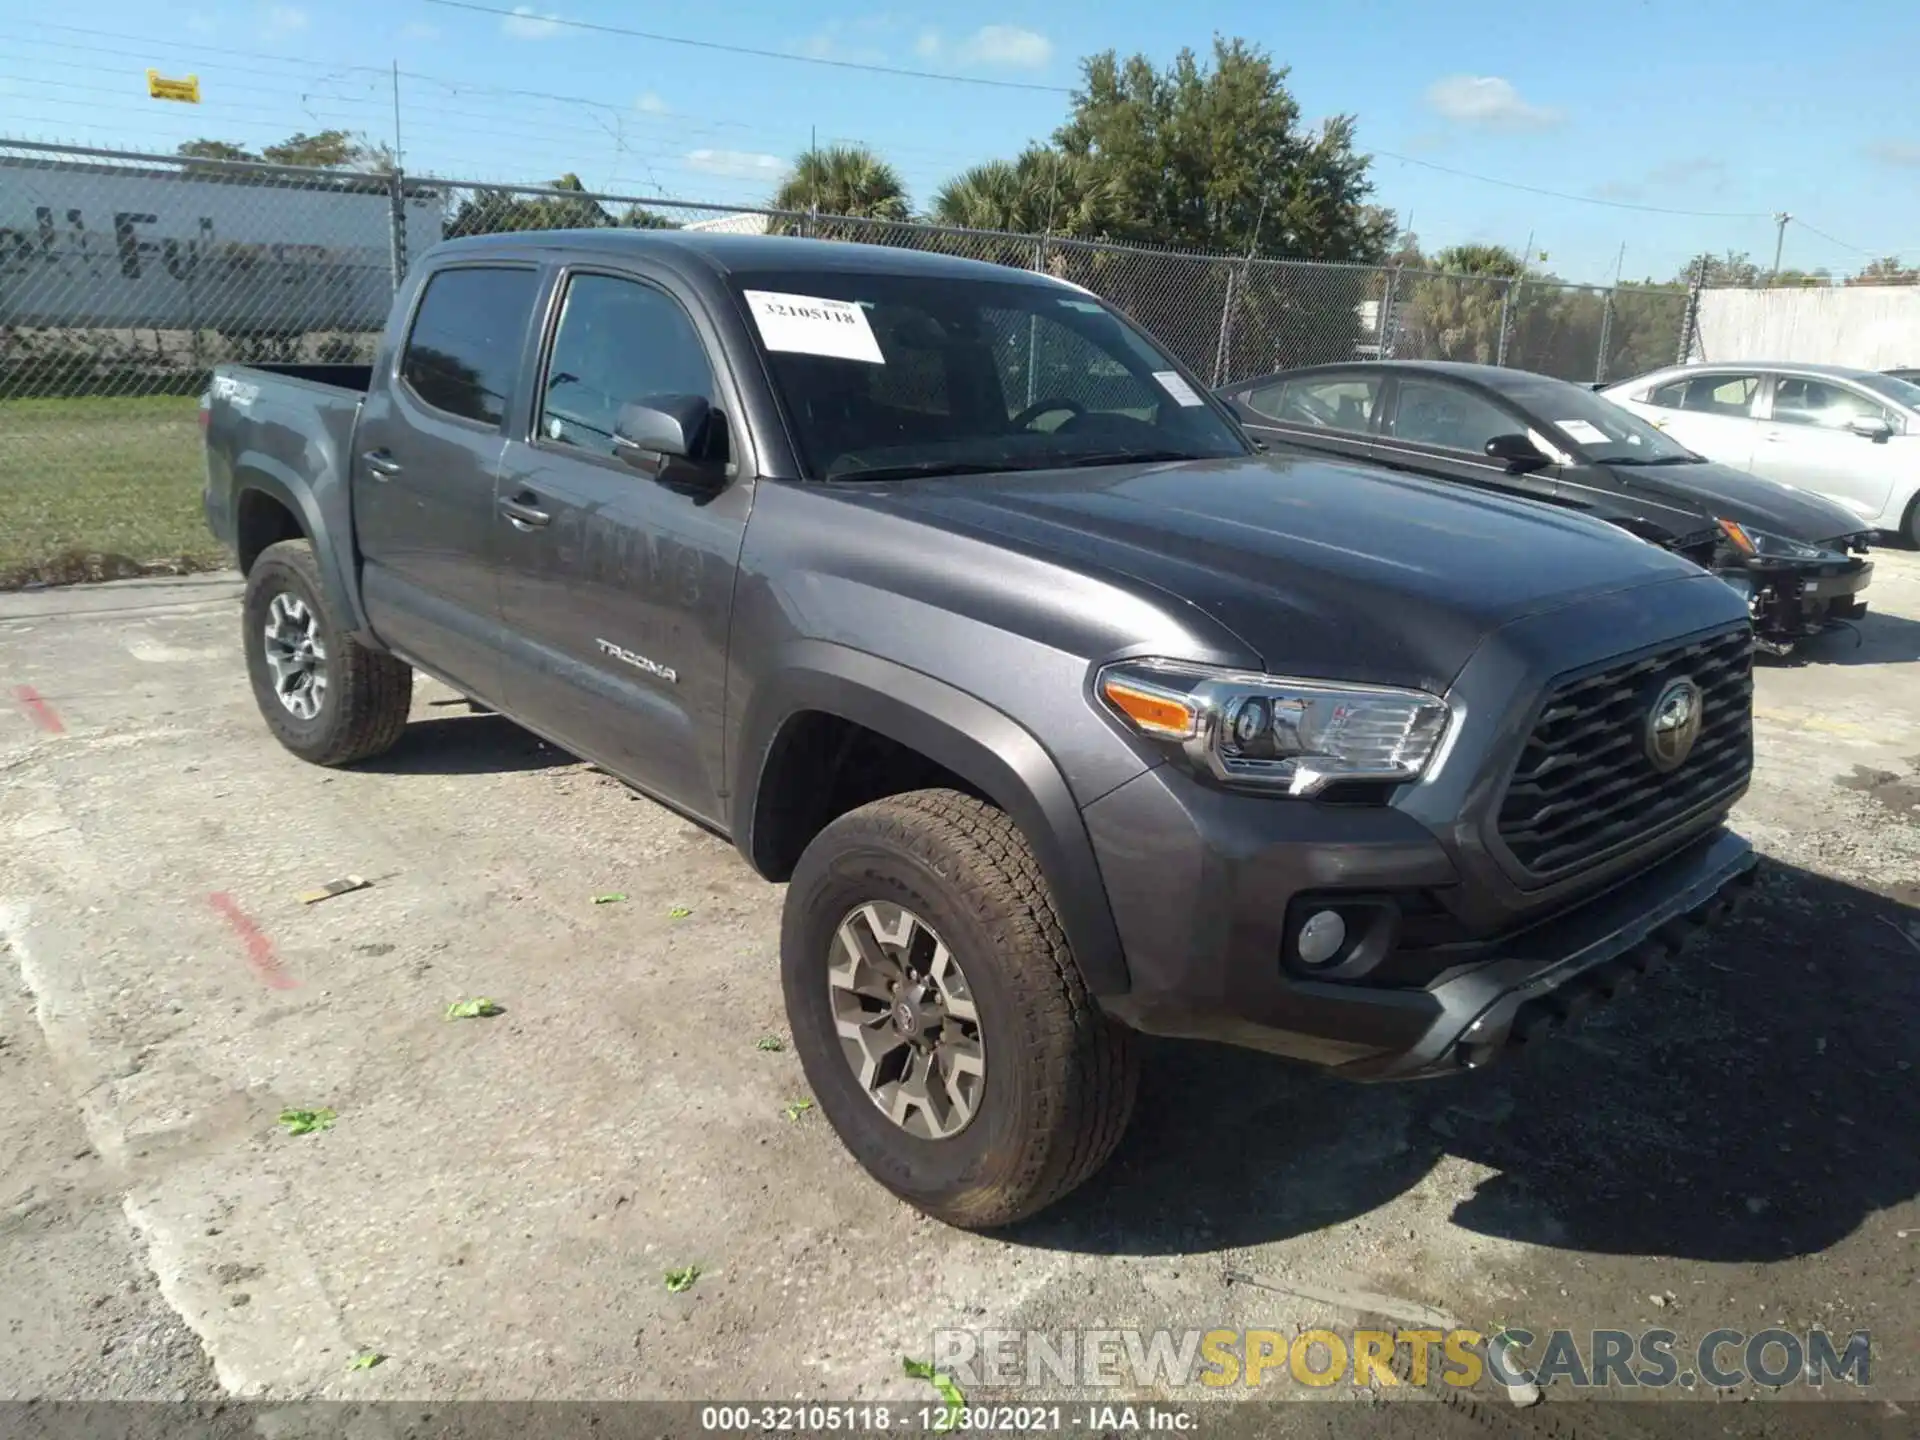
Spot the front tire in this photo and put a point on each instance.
(939, 1013)
(326, 697)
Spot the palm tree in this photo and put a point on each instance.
(1041, 192)
(844, 180)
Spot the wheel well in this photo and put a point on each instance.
(262, 521)
(819, 767)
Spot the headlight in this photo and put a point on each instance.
(1267, 732)
(1770, 547)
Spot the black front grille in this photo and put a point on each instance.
(1584, 787)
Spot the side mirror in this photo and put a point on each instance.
(1870, 427)
(659, 428)
(1517, 453)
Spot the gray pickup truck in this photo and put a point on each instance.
(957, 604)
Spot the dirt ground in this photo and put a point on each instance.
(497, 1200)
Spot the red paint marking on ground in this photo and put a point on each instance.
(260, 957)
(38, 710)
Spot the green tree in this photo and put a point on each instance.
(566, 206)
(1043, 192)
(326, 150)
(214, 150)
(638, 217)
(1886, 271)
(845, 180)
(1457, 314)
(1215, 157)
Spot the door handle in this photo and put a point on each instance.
(524, 516)
(381, 465)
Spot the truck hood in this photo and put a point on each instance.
(1322, 568)
(1720, 491)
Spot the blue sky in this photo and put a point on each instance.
(1740, 108)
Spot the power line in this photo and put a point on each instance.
(1551, 194)
(749, 50)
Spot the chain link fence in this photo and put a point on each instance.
(125, 278)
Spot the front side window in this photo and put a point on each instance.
(1326, 402)
(619, 342)
(1596, 428)
(1432, 412)
(886, 374)
(464, 348)
(1728, 395)
(1799, 401)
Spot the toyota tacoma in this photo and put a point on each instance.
(958, 605)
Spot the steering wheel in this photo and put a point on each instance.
(1046, 407)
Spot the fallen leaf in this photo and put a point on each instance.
(682, 1279)
(345, 885)
(678, 912)
(769, 1042)
(613, 898)
(365, 1360)
(305, 1122)
(949, 1392)
(472, 1009)
(796, 1108)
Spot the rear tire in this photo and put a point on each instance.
(1055, 1078)
(326, 697)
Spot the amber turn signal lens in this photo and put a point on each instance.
(1155, 714)
(1739, 538)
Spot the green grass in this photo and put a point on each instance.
(117, 478)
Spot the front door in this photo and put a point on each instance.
(428, 449)
(617, 585)
(1808, 442)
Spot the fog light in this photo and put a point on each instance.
(1321, 938)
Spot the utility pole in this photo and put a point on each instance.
(1779, 244)
(399, 154)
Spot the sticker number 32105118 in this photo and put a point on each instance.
(813, 325)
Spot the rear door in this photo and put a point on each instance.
(618, 585)
(427, 451)
(1712, 412)
(1336, 411)
(1806, 440)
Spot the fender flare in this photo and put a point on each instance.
(977, 742)
(256, 471)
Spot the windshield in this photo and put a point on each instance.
(885, 376)
(1901, 392)
(1602, 431)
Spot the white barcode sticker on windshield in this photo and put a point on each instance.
(812, 325)
(1178, 388)
(1585, 432)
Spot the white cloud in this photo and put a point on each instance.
(651, 104)
(280, 21)
(833, 41)
(1489, 102)
(1902, 153)
(1006, 45)
(736, 164)
(419, 30)
(527, 23)
(990, 45)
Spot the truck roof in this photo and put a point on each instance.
(724, 254)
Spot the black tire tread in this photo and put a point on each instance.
(373, 691)
(1089, 1066)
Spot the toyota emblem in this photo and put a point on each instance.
(1673, 724)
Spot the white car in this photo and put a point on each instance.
(1851, 435)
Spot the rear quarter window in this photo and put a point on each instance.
(463, 349)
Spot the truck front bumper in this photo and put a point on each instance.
(1208, 959)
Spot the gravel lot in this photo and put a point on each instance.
(1737, 1144)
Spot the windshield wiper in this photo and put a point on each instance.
(916, 468)
(1119, 457)
(1659, 460)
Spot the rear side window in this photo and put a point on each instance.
(1729, 395)
(1328, 402)
(464, 348)
(1431, 412)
